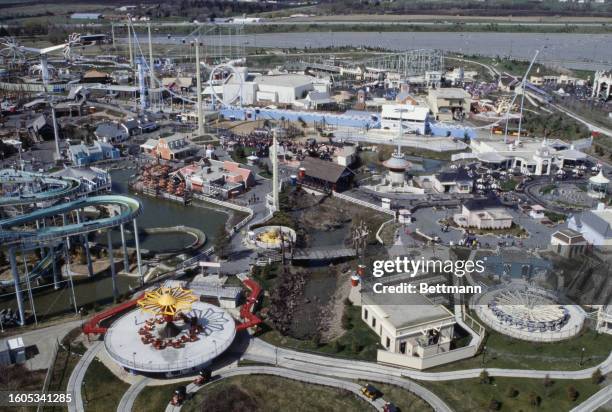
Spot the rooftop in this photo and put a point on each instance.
(407, 309)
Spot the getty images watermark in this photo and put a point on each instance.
(422, 266)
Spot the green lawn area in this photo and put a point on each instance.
(404, 400)
(101, 389)
(255, 393)
(505, 352)
(358, 342)
(155, 398)
(470, 395)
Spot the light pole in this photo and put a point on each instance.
(582, 356)
(484, 354)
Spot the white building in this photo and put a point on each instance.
(483, 214)
(413, 333)
(594, 225)
(414, 119)
(528, 155)
(249, 89)
(568, 243)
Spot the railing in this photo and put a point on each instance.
(363, 203)
(47, 381)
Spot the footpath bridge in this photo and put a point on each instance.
(322, 253)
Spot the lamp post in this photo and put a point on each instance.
(582, 356)
(484, 354)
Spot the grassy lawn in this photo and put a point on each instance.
(505, 352)
(404, 400)
(155, 398)
(270, 393)
(471, 395)
(101, 389)
(358, 342)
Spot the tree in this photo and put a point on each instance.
(597, 376)
(534, 399)
(222, 242)
(484, 377)
(572, 393)
(494, 405)
(512, 392)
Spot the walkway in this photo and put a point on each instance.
(75, 383)
(597, 400)
(127, 401)
(289, 374)
(261, 351)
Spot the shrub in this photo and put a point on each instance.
(597, 376)
(534, 399)
(512, 392)
(485, 378)
(572, 393)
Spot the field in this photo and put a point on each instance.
(505, 352)
(101, 389)
(270, 393)
(512, 394)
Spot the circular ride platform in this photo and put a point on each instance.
(125, 342)
(529, 313)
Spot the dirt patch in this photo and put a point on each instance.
(333, 322)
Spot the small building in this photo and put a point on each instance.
(486, 213)
(414, 119)
(315, 101)
(325, 175)
(173, 148)
(346, 155)
(82, 154)
(537, 212)
(86, 16)
(111, 132)
(41, 127)
(448, 104)
(594, 225)
(411, 333)
(93, 179)
(598, 186)
(222, 179)
(456, 181)
(568, 243)
(95, 76)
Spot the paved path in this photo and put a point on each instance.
(597, 400)
(44, 340)
(289, 374)
(127, 401)
(75, 383)
(261, 351)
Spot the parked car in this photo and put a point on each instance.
(370, 392)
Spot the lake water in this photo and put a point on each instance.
(580, 51)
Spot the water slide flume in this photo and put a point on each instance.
(11, 231)
(50, 188)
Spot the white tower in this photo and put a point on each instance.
(199, 89)
(274, 157)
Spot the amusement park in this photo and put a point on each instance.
(205, 212)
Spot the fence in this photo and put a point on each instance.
(45, 387)
(363, 203)
(229, 205)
